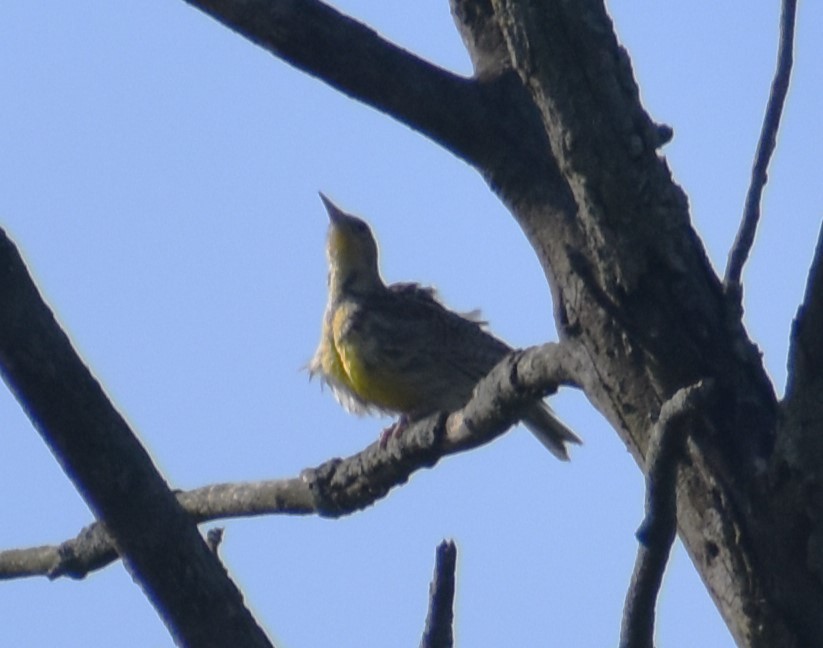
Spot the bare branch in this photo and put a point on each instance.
(488, 121)
(340, 486)
(438, 632)
(765, 147)
(159, 542)
(352, 58)
(658, 529)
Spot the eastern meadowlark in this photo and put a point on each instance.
(396, 349)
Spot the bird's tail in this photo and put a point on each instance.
(549, 430)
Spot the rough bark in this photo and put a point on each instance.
(633, 285)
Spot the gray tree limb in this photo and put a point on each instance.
(158, 541)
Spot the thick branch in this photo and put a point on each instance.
(485, 121)
(438, 632)
(341, 486)
(159, 542)
(648, 307)
(805, 362)
(799, 464)
(765, 147)
(353, 59)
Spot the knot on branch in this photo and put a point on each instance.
(341, 486)
(89, 551)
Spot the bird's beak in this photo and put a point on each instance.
(335, 214)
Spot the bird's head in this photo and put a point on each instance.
(351, 251)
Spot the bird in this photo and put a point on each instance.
(396, 349)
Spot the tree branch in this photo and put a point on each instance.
(629, 223)
(805, 363)
(657, 531)
(486, 121)
(765, 148)
(798, 468)
(158, 541)
(352, 58)
(438, 632)
(340, 486)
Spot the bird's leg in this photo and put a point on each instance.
(395, 429)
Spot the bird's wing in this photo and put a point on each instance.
(414, 345)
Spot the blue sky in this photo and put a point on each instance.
(160, 175)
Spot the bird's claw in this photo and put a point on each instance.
(395, 429)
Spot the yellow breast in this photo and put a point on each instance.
(357, 364)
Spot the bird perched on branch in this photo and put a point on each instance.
(397, 349)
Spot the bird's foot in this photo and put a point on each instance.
(395, 429)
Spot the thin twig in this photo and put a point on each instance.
(657, 532)
(438, 632)
(765, 148)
